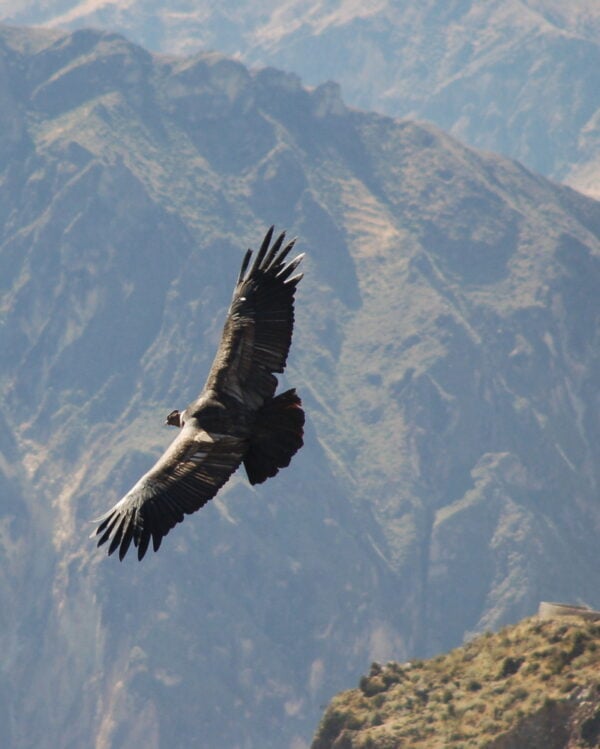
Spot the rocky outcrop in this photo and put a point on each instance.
(533, 685)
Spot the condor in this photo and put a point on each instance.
(237, 418)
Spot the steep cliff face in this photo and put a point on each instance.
(532, 685)
(446, 349)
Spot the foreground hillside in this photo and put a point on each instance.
(446, 350)
(520, 77)
(534, 685)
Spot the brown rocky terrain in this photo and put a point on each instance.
(535, 684)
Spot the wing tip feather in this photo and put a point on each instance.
(270, 258)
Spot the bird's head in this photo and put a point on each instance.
(174, 419)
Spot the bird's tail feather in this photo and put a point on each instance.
(277, 436)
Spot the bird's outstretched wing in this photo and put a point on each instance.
(254, 345)
(258, 331)
(190, 472)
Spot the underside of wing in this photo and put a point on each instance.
(185, 478)
(258, 330)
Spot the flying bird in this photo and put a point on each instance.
(237, 418)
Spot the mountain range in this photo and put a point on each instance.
(518, 77)
(446, 350)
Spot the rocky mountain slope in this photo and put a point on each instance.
(531, 685)
(446, 349)
(519, 77)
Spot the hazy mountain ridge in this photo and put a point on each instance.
(517, 77)
(445, 345)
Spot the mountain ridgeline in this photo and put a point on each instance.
(519, 77)
(446, 347)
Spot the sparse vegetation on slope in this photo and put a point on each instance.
(538, 678)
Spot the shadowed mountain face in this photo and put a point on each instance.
(446, 349)
(520, 77)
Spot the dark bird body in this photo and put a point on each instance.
(237, 418)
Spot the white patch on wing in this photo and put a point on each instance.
(198, 457)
